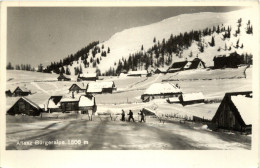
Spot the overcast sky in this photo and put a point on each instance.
(44, 34)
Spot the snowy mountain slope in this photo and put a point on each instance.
(130, 41)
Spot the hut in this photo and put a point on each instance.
(196, 64)
(78, 87)
(53, 104)
(24, 106)
(235, 112)
(191, 98)
(8, 93)
(62, 77)
(161, 91)
(87, 77)
(141, 73)
(87, 104)
(100, 87)
(21, 91)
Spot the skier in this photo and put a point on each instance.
(131, 116)
(123, 115)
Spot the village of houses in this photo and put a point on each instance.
(187, 106)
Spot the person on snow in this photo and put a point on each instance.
(131, 116)
(142, 116)
(123, 115)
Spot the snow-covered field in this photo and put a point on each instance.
(130, 89)
(121, 135)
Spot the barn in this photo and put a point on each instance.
(235, 112)
(177, 66)
(78, 87)
(87, 104)
(191, 98)
(100, 87)
(138, 73)
(87, 77)
(25, 106)
(161, 91)
(196, 64)
(53, 104)
(62, 77)
(21, 91)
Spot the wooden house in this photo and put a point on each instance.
(21, 91)
(8, 93)
(62, 77)
(78, 87)
(235, 112)
(191, 98)
(87, 104)
(229, 61)
(87, 77)
(24, 106)
(161, 91)
(196, 64)
(69, 104)
(177, 66)
(100, 87)
(53, 104)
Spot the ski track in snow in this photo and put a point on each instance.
(38, 87)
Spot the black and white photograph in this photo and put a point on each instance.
(131, 78)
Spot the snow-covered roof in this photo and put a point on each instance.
(23, 88)
(187, 66)
(51, 104)
(85, 101)
(192, 96)
(245, 107)
(88, 75)
(162, 88)
(173, 99)
(143, 72)
(98, 86)
(28, 101)
(68, 98)
(81, 85)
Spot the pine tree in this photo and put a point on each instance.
(212, 44)
(9, 66)
(142, 48)
(62, 70)
(108, 50)
(67, 71)
(80, 70)
(154, 40)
